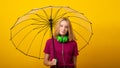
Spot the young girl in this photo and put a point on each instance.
(65, 47)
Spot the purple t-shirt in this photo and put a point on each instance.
(64, 52)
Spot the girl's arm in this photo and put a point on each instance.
(75, 61)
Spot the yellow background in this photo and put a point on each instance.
(104, 48)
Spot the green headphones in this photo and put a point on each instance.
(62, 39)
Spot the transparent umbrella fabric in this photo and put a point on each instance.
(31, 31)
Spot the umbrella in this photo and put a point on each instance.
(30, 31)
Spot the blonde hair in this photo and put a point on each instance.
(70, 31)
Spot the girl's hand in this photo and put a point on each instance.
(53, 62)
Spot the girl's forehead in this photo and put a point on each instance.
(64, 23)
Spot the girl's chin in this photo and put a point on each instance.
(62, 34)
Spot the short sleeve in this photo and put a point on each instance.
(75, 52)
(47, 48)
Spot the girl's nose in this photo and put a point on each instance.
(63, 28)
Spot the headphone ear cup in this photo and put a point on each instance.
(59, 38)
(62, 39)
(65, 39)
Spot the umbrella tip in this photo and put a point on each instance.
(10, 38)
(67, 7)
(50, 6)
(91, 23)
(11, 28)
(92, 33)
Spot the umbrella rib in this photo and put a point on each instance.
(12, 41)
(74, 11)
(57, 12)
(24, 52)
(55, 20)
(25, 27)
(35, 37)
(81, 18)
(80, 36)
(26, 36)
(79, 25)
(62, 15)
(42, 42)
(51, 13)
(27, 54)
(39, 27)
(46, 14)
(22, 22)
(40, 16)
(20, 31)
(83, 47)
(86, 43)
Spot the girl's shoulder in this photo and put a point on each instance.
(73, 41)
(50, 40)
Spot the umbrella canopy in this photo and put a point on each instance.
(30, 31)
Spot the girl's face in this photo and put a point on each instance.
(63, 28)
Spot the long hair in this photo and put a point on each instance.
(70, 31)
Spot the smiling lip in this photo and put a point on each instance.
(62, 31)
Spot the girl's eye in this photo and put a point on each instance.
(61, 25)
(66, 26)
